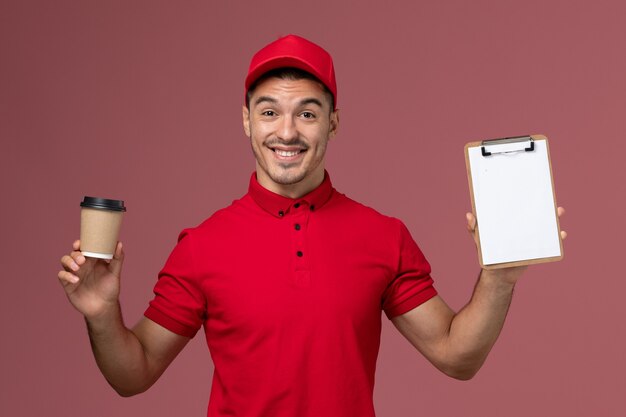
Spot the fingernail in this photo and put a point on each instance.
(74, 279)
(74, 266)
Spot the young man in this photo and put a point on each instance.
(290, 280)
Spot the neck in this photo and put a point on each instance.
(293, 191)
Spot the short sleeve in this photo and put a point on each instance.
(412, 284)
(179, 303)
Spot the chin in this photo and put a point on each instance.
(288, 178)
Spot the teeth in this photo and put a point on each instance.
(286, 153)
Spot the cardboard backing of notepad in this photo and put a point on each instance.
(512, 192)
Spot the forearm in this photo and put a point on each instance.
(458, 343)
(118, 353)
(475, 329)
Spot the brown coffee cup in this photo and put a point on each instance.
(100, 223)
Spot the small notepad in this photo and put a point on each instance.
(513, 199)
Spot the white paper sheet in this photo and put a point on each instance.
(514, 204)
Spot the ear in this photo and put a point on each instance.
(334, 124)
(245, 112)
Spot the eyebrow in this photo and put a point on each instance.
(272, 100)
(311, 100)
(264, 99)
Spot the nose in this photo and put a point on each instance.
(287, 130)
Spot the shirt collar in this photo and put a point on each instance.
(278, 205)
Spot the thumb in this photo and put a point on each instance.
(471, 222)
(118, 259)
(471, 226)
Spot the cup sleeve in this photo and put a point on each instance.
(179, 304)
(412, 284)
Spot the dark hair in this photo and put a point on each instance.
(292, 74)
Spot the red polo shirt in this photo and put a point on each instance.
(290, 294)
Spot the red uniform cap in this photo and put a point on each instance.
(294, 51)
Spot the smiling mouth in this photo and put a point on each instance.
(287, 153)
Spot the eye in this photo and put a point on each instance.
(307, 115)
(268, 113)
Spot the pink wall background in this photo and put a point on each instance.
(141, 101)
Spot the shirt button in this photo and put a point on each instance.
(312, 207)
(296, 205)
(297, 226)
(299, 253)
(281, 213)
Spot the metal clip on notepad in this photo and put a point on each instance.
(507, 145)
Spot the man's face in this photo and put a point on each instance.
(289, 124)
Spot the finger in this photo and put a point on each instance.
(118, 259)
(471, 222)
(78, 257)
(563, 234)
(69, 264)
(560, 211)
(67, 278)
(76, 244)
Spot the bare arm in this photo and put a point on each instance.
(458, 343)
(130, 360)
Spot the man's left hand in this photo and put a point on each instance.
(510, 274)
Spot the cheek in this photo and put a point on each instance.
(259, 131)
(320, 149)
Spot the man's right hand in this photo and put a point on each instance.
(92, 285)
(131, 360)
